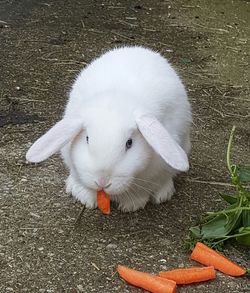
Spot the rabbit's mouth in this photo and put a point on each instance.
(121, 185)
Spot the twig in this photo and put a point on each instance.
(116, 7)
(128, 23)
(29, 100)
(239, 86)
(79, 215)
(237, 98)
(209, 182)
(83, 25)
(217, 111)
(190, 6)
(229, 146)
(48, 59)
(212, 28)
(122, 36)
(149, 29)
(95, 266)
(131, 18)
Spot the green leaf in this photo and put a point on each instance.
(196, 231)
(219, 227)
(244, 239)
(234, 221)
(246, 218)
(229, 198)
(215, 228)
(244, 173)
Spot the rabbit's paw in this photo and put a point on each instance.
(165, 193)
(132, 203)
(83, 194)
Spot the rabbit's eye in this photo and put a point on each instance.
(129, 143)
(87, 139)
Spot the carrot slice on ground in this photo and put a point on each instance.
(149, 282)
(207, 256)
(189, 275)
(103, 202)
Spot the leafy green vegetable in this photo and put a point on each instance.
(244, 236)
(246, 218)
(233, 222)
(215, 228)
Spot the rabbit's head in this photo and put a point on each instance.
(110, 147)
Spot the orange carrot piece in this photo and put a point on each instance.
(207, 256)
(149, 282)
(103, 202)
(189, 275)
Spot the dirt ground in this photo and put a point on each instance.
(43, 46)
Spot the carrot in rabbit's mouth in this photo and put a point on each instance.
(103, 202)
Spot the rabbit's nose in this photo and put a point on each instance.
(103, 182)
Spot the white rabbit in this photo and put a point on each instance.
(126, 129)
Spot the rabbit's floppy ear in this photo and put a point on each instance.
(53, 140)
(162, 141)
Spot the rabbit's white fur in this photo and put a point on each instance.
(106, 97)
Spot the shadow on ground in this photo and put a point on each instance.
(43, 46)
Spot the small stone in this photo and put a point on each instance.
(9, 289)
(80, 288)
(164, 268)
(163, 260)
(111, 246)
